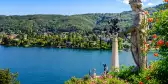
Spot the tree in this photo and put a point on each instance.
(120, 43)
(8, 78)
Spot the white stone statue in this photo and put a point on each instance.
(138, 34)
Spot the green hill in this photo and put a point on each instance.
(61, 23)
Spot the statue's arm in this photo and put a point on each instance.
(136, 23)
(125, 32)
(131, 29)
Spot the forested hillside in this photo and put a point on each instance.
(75, 31)
(60, 23)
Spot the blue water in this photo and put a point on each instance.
(54, 66)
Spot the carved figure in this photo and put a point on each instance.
(138, 34)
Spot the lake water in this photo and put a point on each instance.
(54, 66)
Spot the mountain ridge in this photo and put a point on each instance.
(42, 23)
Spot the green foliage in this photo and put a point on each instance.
(30, 24)
(64, 40)
(58, 30)
(144, 75)
(161, 26)
(120, 43)
(86, 78)
(160, 68)
(75, 80)
(103, 80)
(8, 78)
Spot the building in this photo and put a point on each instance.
(13, 36)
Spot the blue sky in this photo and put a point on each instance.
(66, 7)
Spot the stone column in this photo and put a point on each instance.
(115, 57)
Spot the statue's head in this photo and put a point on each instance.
(135, 1)
(136, 5)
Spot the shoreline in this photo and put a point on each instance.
(96, 49)
(53, 47)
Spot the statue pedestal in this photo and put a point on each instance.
(115, 57)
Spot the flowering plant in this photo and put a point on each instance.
(159, 24)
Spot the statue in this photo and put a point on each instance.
(94, 73)
(138, 34)
(105, 69)
(90, 76)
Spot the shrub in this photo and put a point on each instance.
(86, 78)
(100, 80)
(8, 78)
(160, 68)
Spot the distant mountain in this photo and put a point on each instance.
(63, 23)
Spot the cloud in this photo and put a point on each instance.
(126, 1)
(150, 4)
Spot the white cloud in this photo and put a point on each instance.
(126, 1)
(150, 4)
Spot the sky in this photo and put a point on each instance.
(67, 7)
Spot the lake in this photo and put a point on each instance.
(54, 66)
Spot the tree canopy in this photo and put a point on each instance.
(63, 23)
